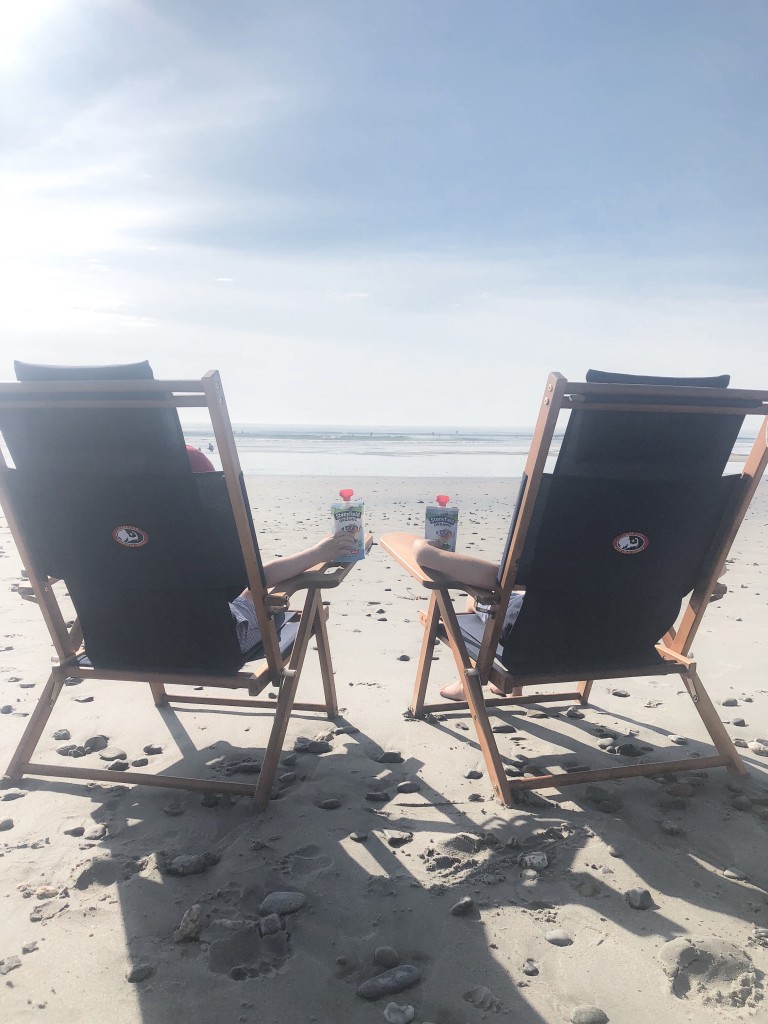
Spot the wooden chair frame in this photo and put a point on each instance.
(283, 675)
(441, 624)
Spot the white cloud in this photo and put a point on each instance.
(366, 340)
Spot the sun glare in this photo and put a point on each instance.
(19, 20)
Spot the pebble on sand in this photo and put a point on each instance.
(588, 1015)
(112, 754)
(408, 786)
(574, 712)
(639, 899)
(270, 925)
(390, 757)
(307, 746)
(282, 903)
(191, 925)
(6, 824)
(558, 937)
(390, 982)
(11, 794)
(140, 972)
(188, 863)
(395, 1014)
(465, 906)
(94, 743)
(484, 999)
(386, 956)
(536, 859)
(397, 837)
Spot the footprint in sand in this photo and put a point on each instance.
(108, 871)
(712, 972)
(306, 861)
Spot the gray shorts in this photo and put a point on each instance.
(510, 618)
(246, 624)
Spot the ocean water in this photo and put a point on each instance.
(356, 452)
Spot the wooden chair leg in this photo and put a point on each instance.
(714, 726)
(285, 700)
(37, 722)
(159, 694)
(288, 686)
(431, 623)
(326, 665)
(584, 689)
(473, 694)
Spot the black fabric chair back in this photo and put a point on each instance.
(621, 529)
(112, 441)
(148, 549)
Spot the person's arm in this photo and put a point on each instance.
(329, 549)
(475, 572)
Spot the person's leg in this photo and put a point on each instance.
(246, 624)
(455, 691)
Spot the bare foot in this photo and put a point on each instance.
(516, 691)
(456, 691)
(453, 692)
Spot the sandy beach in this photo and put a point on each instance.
(427, 875)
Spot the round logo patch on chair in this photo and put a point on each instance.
(630, 543)
(130, 536)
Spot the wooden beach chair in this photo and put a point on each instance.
(633, 522)
(102, 496)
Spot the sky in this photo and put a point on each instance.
(393, 212)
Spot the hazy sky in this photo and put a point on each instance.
(385, 211)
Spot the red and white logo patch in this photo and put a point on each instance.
(630, 543)
(130, 536)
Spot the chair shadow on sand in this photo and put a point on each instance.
(361, 896)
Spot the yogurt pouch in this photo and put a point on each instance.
(441, 523)
(347, 517)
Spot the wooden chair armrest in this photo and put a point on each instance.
(400, 547)
(325, 576)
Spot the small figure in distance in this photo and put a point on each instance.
(475, 572)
